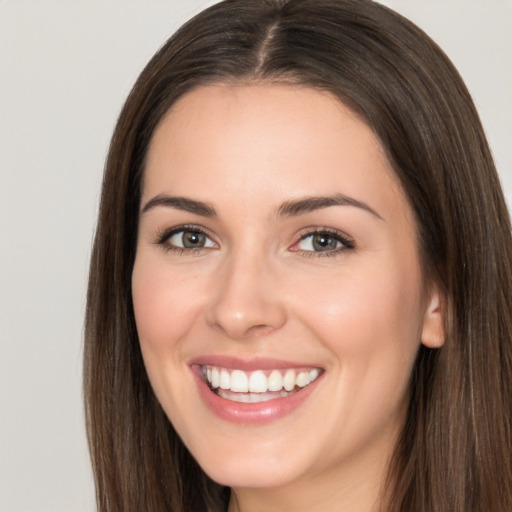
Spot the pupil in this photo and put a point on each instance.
(193, 239)
(324, 242)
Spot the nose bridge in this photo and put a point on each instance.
(246, 299)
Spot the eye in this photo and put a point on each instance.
(186, 239)
(324, 241)
(189, 239)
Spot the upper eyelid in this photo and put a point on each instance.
(165, 234)
(304, 233)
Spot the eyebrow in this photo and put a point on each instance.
(288, 209)
(181, 203)
(309, 204)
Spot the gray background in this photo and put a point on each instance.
(65, 69)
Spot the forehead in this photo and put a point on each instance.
(266, 140)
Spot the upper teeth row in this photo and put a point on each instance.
(257, 382)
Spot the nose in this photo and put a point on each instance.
(246, 302)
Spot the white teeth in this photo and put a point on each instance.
(289, 380)
(239, 381)
(215, 378)
(251, 398)
(275, 381)
(302, 379)
(224, 382)
(259, 385)
(257, 382)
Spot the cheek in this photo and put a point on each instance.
(370, 321)
(367, 314)
(165, 304)
(165, 307)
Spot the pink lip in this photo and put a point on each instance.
(247, 365)
(249, 413)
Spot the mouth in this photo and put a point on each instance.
(259, 385)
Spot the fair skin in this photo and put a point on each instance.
(244, 276)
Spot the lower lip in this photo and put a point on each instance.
(251, 413)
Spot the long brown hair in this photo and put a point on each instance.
(455, 452)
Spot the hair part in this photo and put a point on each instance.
(455, 449)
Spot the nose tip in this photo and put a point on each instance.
(246, 303)
(242, 325)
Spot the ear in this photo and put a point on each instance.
(433, 331)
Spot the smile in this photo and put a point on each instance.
(257, 386)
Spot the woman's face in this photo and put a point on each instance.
(276, 248)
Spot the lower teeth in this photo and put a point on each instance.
(252, 397)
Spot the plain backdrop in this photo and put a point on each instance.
(65, 69)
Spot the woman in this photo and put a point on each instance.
(300, 286)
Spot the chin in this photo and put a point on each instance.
(250, 461)
(246, 475)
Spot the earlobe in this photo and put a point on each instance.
(433, 331)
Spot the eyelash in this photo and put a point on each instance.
(346, 242)
(163, 238)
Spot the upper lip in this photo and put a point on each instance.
(248, 365)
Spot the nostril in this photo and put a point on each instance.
(243, 331)
(261, 330)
